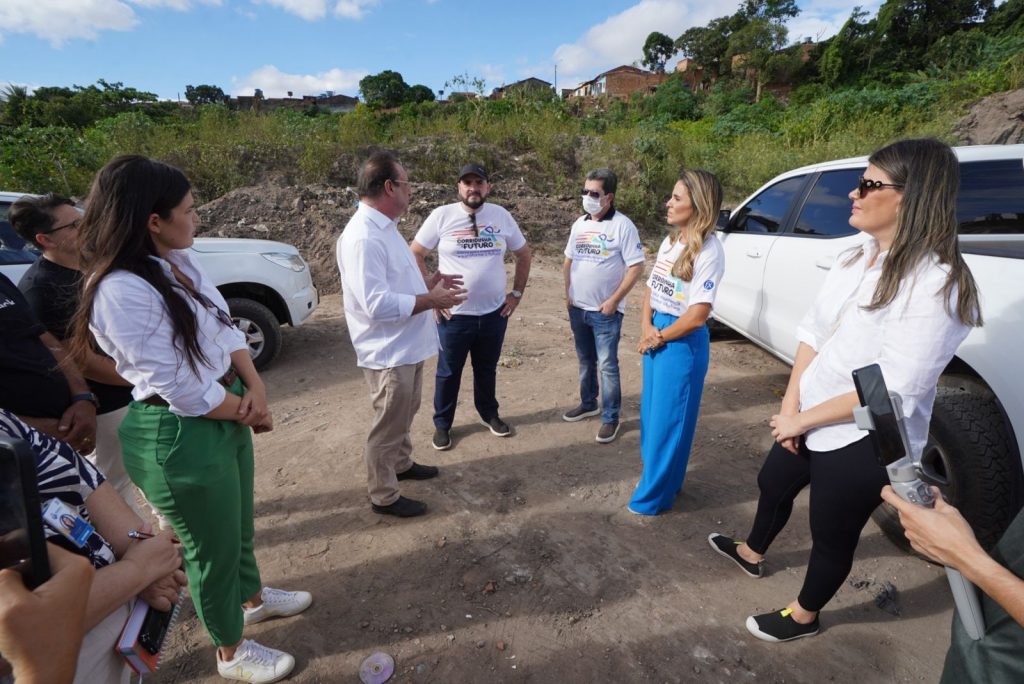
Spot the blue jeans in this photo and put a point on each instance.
(480, 338)
(597, 345)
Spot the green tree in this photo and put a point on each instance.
(419, 93)
(707, 46)
(386, 89)
(658, 48)
(755, 44)
(204, 94)
(15, 103)
(907, 28)
(673, 99)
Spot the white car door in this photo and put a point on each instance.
(748, 240)
(801, 258)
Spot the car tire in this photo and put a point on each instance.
(969, 445)
(261, 327)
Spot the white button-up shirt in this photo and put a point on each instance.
(380, 280)
(131, 325)
(912, 339)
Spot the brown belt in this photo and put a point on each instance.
(228, 379)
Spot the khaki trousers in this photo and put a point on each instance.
(395, 393)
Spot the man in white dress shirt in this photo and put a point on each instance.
(388, 308)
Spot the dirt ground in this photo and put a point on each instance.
(528, 568)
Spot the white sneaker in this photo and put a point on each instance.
(256, 663)
(277, 603)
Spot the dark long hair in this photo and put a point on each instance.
(926, 222)
(114, 235)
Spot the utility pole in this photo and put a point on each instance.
(556, 79)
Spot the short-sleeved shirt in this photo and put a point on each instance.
(53, 292)
(601, 252)
(476, 253)
(672, 295)
(31, 384)
(62, 474)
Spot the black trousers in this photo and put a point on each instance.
(846, 487)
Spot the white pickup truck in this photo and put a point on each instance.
(783, 239)
(265, 283)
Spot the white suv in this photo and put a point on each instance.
(265, 283)
(783, 239)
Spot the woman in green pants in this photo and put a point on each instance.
(187, 438)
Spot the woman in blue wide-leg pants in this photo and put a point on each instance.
(674, 338)
(673, 382)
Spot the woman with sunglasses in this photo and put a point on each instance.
(674, 338)
(902, 298)
(187, 437)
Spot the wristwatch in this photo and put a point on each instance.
(518, 294)
(86, 396)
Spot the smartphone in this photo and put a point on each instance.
(22, 542)
(887, 439)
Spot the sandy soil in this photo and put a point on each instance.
(527, 567)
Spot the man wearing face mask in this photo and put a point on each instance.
(603, 260)
(471, 237)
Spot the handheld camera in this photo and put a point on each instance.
(881, 413)
(22, 543)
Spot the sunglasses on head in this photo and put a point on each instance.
(590, 193)
(866, 185)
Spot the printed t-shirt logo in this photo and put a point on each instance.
(709, 285)
(665, 283)
(593, 245)
(469, 244)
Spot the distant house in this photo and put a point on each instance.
(693, 74)
(325, 101)
(620, 82)
(527, 85)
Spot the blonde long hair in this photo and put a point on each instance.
(706, 196)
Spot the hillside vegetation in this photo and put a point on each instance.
(877, 80)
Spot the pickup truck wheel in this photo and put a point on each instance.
(262, 329)
(969, 446)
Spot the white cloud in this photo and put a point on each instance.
(620, 38)
(275, 83)
(821, 19)
(354, 9)
(180, 5)
(313, 10)
(58, 21)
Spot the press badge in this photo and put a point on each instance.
(60, 517)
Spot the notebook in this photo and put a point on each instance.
(144, 633)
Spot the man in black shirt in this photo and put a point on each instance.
(51, 287)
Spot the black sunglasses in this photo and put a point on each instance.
(865, 185)
(219, 313)
(74, 224)
(590, 193)
(472, 224)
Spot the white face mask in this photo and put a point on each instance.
(591, 206)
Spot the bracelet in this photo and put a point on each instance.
(86, 396)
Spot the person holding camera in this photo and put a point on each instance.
(187, 437)
(903, 298)
(942, 534)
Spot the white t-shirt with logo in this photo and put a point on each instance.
(672, 295)
(479, 258)
(601, 251)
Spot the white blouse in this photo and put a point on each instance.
(912, 339)
(132, 326)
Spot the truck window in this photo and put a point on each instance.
(764, 213)
(826, 213)
(991, 197)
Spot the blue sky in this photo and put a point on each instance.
(310, 46)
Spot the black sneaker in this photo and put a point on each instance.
(418, 472)
(497, 426)
(442, 439)
(608, 432)
(402, 507)
(579, 413)
(780, 626)
(727, 547)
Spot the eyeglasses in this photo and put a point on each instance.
(594, 194)
(866, 185)
(472, 224)
(74, 224)
(218, 312)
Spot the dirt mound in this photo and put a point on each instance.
(995, 120)
(311, 217)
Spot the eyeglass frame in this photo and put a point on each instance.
(866, 185)
(592, 194)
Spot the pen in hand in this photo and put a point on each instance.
(135, 534)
